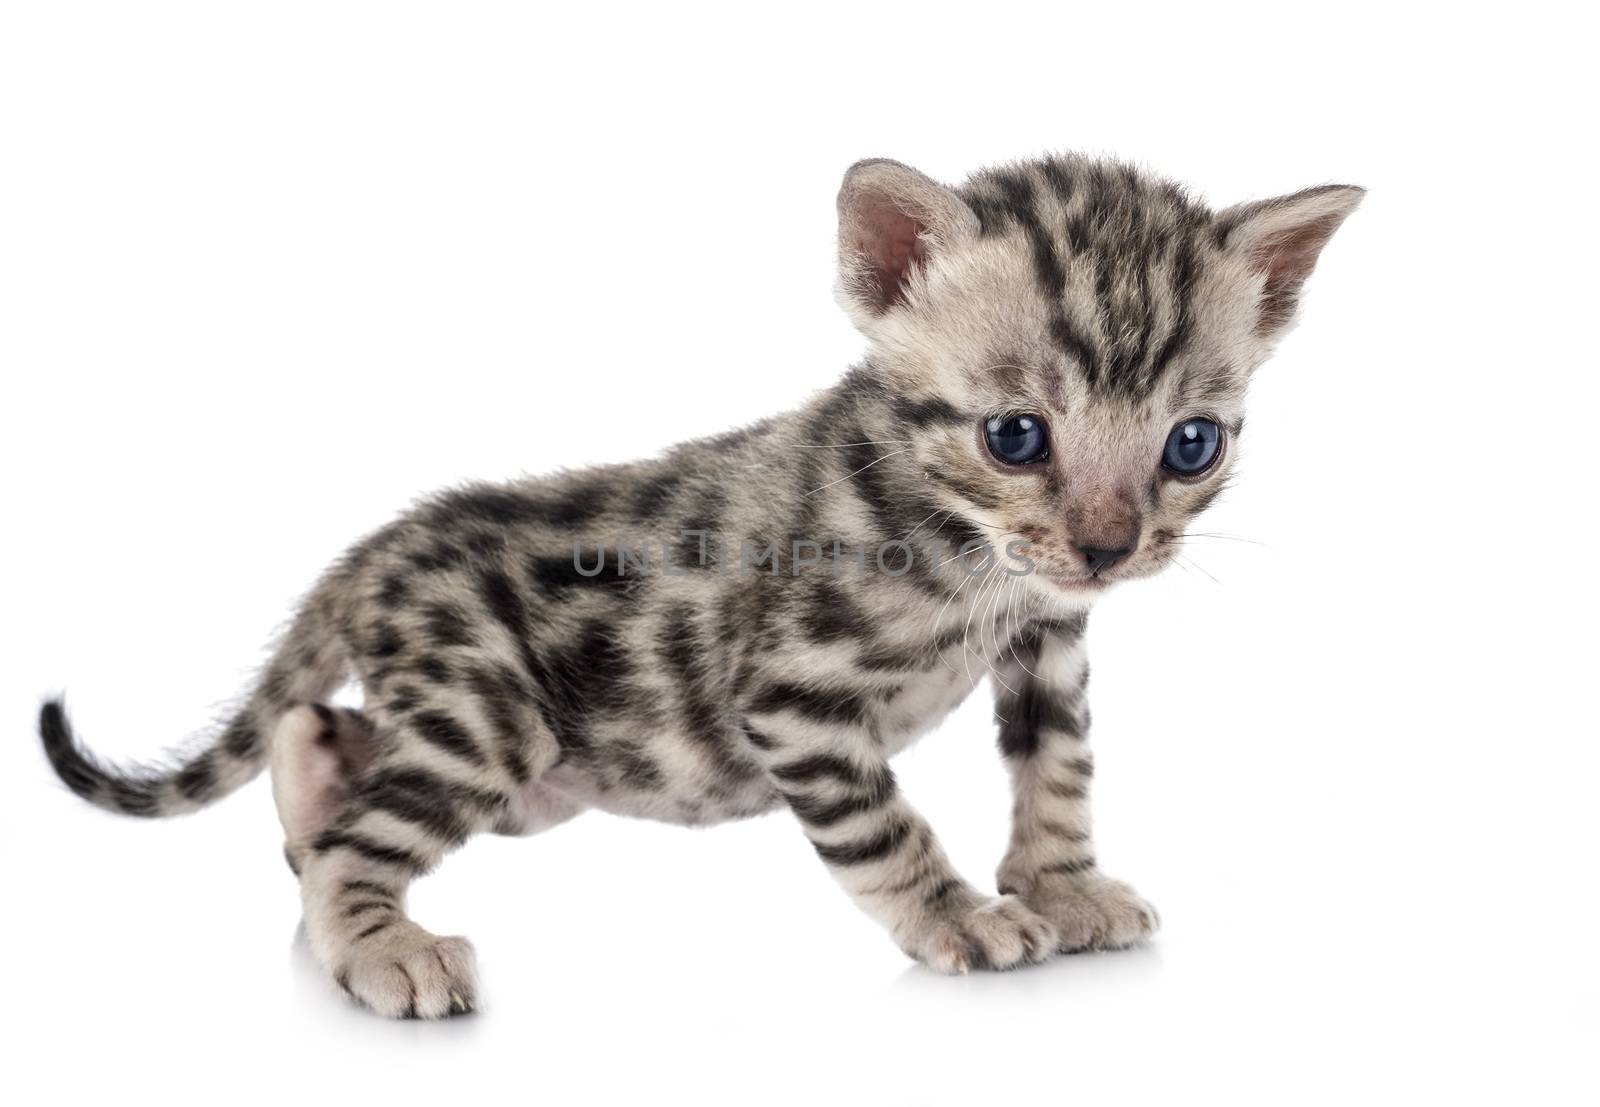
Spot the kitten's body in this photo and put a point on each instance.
(796, 608)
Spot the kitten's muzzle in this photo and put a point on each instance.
(1104, 525)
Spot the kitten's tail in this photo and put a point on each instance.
(308, 666)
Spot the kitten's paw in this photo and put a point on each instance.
(980, 933)
(412, 974)
(1092, 911)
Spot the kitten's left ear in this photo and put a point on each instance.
(1281, 239)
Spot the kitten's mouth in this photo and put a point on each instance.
(1097, 583)
(1079, 584)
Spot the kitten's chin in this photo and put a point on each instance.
(1075, 593)
(1083, 591)
(1078, 593)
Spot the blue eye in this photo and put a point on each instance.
(1017, 439)
(1192, 447)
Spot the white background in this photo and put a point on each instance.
(269, 271)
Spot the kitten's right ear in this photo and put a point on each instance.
(891, 219)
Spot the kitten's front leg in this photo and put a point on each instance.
(1044, 727)
(886, 856)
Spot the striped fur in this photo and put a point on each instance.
(763, 619)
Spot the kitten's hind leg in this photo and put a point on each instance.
(317, 754)
(448, 763)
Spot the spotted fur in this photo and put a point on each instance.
(763, 619)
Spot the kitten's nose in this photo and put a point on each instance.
(1100, 559)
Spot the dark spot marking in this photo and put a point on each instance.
(393, 591)
(197, 780)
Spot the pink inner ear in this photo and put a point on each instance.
(891, 242)
(1287, 259)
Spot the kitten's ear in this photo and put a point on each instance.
(1281, 238)
(891, 219)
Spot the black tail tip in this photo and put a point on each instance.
(54, 728)
(75, 770)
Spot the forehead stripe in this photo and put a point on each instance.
(1141, 243)
(1019, 206)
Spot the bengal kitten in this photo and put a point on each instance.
(1057, 359)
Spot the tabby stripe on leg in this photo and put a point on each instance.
(499, 693)
(367, 886)
(820, 765)
(824, 813)
(861, 852)
(1026, 718)
(447, 734)
(417, 797)
(509, 610)
(330, 840)
(1068, 868)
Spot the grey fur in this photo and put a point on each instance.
(508, 686)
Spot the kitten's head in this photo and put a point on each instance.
(1070, 341)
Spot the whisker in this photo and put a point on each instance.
(976, 601)
(863, 469)
(966, 626)
(939, 617)
(1011, 636)
(994, 666)
(948, 560)
(966, 651)
(993, 621)
(1200, 567)
(985, 522)
(1224, 537)
(933, 532)
(980, 611)
(931, 514)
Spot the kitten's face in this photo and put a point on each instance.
(1083, 336)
